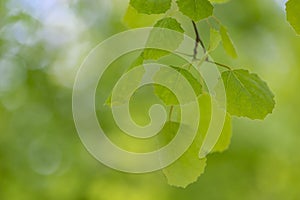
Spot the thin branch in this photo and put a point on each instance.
(197, 41)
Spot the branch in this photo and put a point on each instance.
(197, 41)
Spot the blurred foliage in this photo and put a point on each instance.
(42, 44)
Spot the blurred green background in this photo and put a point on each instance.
(42, 44)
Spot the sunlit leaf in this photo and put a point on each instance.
(219, 1)
(195, 9)
(293, 14)
(247, 95)
(133, 19)
(215, 39)
(151, 6)
(171, 41)
(205, 119)
(227, 42)
(188, 167)
(168, 97)
(225, 137)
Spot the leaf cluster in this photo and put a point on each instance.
(247, 94)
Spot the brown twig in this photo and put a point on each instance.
(197, 41)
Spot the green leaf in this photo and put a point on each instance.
(108, 101)
(215, 39)
(247, 95)
(205, 114)
(171, 41)
(168, 97)
(151, 6)
(133, 19)
(205, 119)
(227, 42)
(169, 23)
(137, 62)
(219, 1)
(188, 167)
(195, 9)
(225, 137)
(293, 14)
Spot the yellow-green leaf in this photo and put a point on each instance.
(225, 137)
(134, 19)
(227, 42)
(188, 167)
(151, 6)
(171, 41)
(219, 1)
(215, 39)
(247, 95)
(293, 14)
(195, 9)
(168, 97)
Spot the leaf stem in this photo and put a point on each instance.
(206, 59)
(219, 64)
(216, 19)
(185, 54)
(170, 113)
